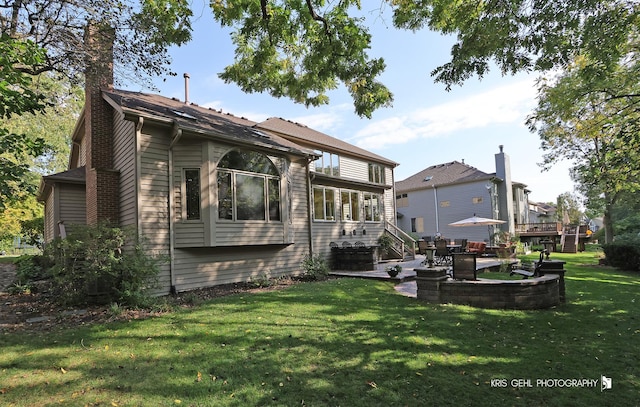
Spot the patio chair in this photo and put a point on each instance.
(422, 247)
(537, 268)
(464, 266)
(463, 244)
(442, 256)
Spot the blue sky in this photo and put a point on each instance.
(425, 126)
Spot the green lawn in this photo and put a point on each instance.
(343, 342)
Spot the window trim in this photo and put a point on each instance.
(380, 212)
(377, 173)
(333, 158)
(266, 178)
(324, 204)
(351, 211)
(185, 197)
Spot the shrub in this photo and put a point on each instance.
(315, 267)
(32, 268)
(624, 252)
(102, 264)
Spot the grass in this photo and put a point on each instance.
(342, 342)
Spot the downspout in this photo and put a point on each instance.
(435, 205)
(138, 171)
(175, 137)
(310, 207)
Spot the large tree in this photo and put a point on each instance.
(145, 29)
(301, 49)
(594, 122)
(46, 37)
(17, 98)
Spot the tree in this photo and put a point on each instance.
(144, 31)
(54, 125)
(46, 36)
(595, 123)
(301, 49)
(568, 209)
(17, 97)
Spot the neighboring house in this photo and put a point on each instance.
(223, 198)
(540, 212)
(445, 193)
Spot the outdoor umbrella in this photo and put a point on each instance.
(476, 221)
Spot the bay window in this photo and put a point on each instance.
(248, 187)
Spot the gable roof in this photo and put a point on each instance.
(442, 174)
(72, 176)
(300, 133)
(198, 120)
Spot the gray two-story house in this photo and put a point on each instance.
(428, 201)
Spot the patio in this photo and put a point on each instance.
(405, 281)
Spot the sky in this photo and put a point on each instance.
(426, 124)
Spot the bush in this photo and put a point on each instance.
(624, 252)
(32, 268)
(315, 267)
(102, 264)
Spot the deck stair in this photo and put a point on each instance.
(404, 250)
(570, 238)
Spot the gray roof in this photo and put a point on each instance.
(74, 175)
(442, 174)
(199, 120)
(300, 133)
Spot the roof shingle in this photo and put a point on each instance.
(442, 174)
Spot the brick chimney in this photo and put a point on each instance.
(102, 181)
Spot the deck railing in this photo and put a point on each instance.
(402, 241)
(550, 227)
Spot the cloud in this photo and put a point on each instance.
(324, 122)
(502, 105)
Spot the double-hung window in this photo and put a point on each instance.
(248, 187)
(324, 205)
(350, 205)
(372, 207)
(376, 173)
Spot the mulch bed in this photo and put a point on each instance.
(39, 312)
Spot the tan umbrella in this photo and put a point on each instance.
(476, 221)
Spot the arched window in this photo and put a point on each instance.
(248, 187)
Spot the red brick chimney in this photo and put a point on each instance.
(102, 181)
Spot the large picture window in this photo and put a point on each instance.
(350, 205)
(324, 204)
(372, 207)
(248, 187)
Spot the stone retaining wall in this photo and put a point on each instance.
(534, 293)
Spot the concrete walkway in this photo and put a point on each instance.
(405, 282)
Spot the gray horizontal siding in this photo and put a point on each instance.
(154, 197)
(124, 152)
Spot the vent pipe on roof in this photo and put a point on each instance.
(186, 88)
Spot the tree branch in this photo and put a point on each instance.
(316, 17)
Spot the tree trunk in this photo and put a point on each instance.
(608, 224)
